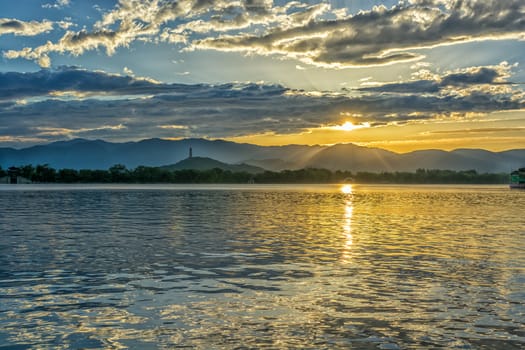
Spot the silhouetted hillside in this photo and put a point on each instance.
(203, 163)
(354, 158)
(98, 154)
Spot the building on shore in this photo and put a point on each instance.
(14, 176)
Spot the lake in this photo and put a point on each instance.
(262, 266)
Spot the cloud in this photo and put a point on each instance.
(128, 71)
(483, 75)
(461, 81)
(69, 102)
(47, 81)
(57, 5)
(131, 20)
(382, 35)
(51, 131)
(478, 130)
(313, 34)
(17, 27)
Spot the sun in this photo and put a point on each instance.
(349, 126)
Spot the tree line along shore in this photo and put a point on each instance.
(144, 174)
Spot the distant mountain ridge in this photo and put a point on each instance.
(99, 154)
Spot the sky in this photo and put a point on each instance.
(399, 75)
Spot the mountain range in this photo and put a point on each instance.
(98, 154)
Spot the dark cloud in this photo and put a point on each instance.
(64, 79)
(85, 38)
(6, 104)
(127, 108)
(12, 24)
(17, 27)
(257, 6)
(469, 77)
(481, 76)
(422, 86)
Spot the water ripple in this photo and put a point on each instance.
(372, 267)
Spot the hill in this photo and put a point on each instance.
(203, 163)
(354, 158)
(99, 154)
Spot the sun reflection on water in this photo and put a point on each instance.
(347, 223)
(346, 189)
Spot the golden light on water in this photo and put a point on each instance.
(346, 189)
(347, 223)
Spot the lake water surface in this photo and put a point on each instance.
(211, 267)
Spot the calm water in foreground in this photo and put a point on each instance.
(366, 267)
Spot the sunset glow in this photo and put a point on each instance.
(262, 174)
(349, 126)
(265, 72)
